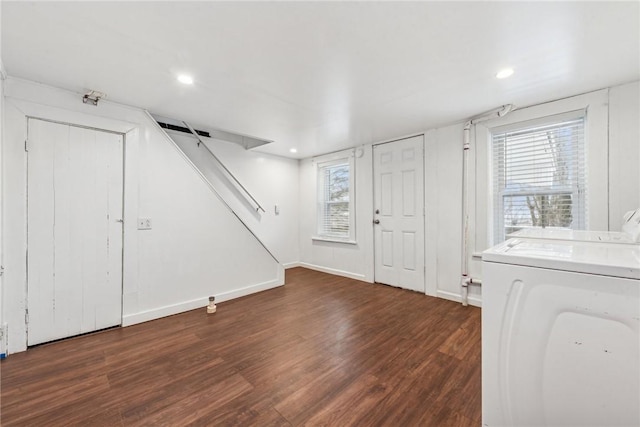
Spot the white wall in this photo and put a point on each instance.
(613, 127)
(196, 248)
(443, 211)
(272, 180)
(624, 152)
(346, 259)
(2, 350)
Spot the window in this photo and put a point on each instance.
(335, 200)
(539, 175)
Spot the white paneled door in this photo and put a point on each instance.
(398, 220)
(74, 230)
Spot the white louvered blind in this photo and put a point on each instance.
(334, 198)
(539, 175)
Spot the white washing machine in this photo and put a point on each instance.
(561, 334)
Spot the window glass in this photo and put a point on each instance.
(539, 177)
(335, 207)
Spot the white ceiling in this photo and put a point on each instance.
(323, 76)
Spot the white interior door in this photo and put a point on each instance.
(398, 170)
(74, 230)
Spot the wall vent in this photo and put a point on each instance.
(245, 141)
(183, 129)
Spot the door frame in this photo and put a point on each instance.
(424, 201)
(26, 219)
(24, 99)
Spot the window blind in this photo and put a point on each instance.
(334, 200)
(539, 175)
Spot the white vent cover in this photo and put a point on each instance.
(245, 141)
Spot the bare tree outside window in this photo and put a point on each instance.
(335, 207)
(337, 199)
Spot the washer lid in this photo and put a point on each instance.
(577, 235)
(607, 259)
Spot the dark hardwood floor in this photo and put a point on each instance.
(322, 350)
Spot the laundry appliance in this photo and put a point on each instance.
(561, 333)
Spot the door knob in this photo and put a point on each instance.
(376, 221)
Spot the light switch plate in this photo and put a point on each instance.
(144, 223)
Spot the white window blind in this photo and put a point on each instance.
(539, 175)
(334, 199)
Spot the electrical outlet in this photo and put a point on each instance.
(144, 223)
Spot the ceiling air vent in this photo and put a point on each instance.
(245, 141)
(182, 129)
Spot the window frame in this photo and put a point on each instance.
(497, 199)
(321, 166)
(595, 106)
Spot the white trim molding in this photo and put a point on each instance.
(334, 271)
(168, 310)
(288, 265)
(473, 300)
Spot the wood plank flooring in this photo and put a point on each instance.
(322, 350)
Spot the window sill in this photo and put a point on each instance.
(333, 240)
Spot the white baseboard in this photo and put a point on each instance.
(333, 271)
(290, 265)
(181, 307)
(237, 293)
(473, 300)
(167, 310)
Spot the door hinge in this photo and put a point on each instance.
(26, 316)
(1, 270)
(26, 145)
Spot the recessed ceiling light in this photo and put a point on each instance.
(503, 74)
(293, 150)
(185, 79)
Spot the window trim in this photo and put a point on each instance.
(495, 201)
(596, 149)
(327, 161)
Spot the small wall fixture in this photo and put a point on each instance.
(93, 96)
